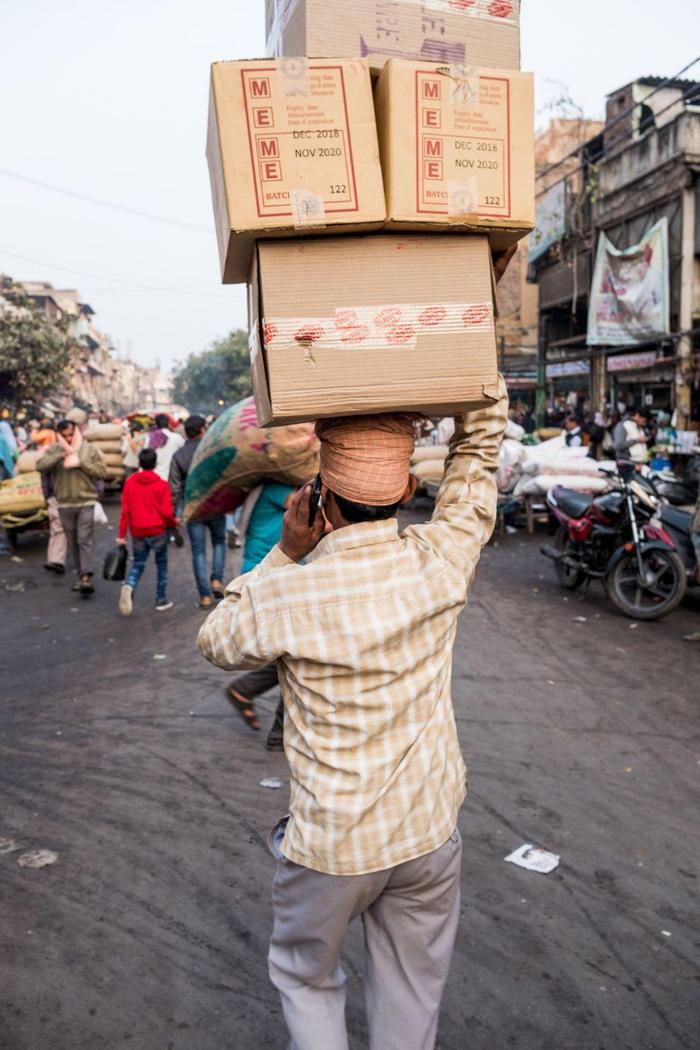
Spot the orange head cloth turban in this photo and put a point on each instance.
(365, 459)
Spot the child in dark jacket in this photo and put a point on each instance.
(147, 513)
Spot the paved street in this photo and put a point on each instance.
(118, 751)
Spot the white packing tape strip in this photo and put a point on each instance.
(293, 77)
(397, 325)
(308, 209)
(463, 196)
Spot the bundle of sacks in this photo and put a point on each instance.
(235, 455)
(535, 469)
(108, 439)
(22, 494)
(428, 463)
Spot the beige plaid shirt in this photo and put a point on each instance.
(363, 634)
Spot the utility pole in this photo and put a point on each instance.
(541, 394)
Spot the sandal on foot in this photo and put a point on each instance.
(86, 586)
(245, 708)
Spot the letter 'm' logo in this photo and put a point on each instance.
(260, 88)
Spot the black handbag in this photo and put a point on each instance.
(114, 567)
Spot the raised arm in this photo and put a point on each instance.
(465, 508)
(50, 459)
(233, 635)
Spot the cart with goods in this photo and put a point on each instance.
(22, 505)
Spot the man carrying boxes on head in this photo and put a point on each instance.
(362, 635)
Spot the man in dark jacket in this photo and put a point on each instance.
(182, 460)
(210, 586)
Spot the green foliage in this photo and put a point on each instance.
(35, 353)
(219, 373)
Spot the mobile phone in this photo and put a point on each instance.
(316, 502)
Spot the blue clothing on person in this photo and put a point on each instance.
(265, 525)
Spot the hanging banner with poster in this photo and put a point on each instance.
(630, 291)
(550, 221)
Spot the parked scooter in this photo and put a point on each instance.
(607, 538)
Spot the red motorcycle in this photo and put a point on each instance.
(607, 538)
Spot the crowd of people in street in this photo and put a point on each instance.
(623, 431)
(355, 621)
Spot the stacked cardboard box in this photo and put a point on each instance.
(366, 241)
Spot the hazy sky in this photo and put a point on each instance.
(109, 100)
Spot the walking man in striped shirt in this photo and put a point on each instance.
(362, 634)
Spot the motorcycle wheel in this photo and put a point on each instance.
(662, 592)
(568, 578)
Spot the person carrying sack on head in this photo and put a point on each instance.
(75, 467)
(362, 635)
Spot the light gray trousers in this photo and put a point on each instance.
(410, 916)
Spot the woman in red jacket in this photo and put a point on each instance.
(147, 513)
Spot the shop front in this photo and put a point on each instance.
(643, 380)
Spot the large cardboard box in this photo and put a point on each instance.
(372, 324)
(292, 149)
(458, 149)
(475, 32)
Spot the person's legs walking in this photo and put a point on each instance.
(141, 550)
(245, 688)
(217, 528)
(69, 521)
(85, 533)
(57, 548)
(160, 546)
(311, 915)
(410, 933)
(197, 532)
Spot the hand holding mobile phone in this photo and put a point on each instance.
(316, 501)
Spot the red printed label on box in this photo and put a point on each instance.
(300, 139)
(463, 142)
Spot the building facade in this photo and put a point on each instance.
(100, 378)
(641, 169)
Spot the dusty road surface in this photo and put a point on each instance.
(118, 752)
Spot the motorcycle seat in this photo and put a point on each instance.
(677, 518)
(572, 503)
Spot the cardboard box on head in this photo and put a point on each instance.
(458, 149)
(476, 32)
(372, 324)
(292, 149)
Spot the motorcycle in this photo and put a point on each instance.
(607, 538)
(673, 519)
(680, 490)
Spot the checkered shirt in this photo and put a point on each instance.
(363, 636)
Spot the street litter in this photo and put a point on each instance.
(8, 846)
(580, 619)
(666, 933)
(159, 656)
(534, 859)
(272, 782)
(37, 858)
